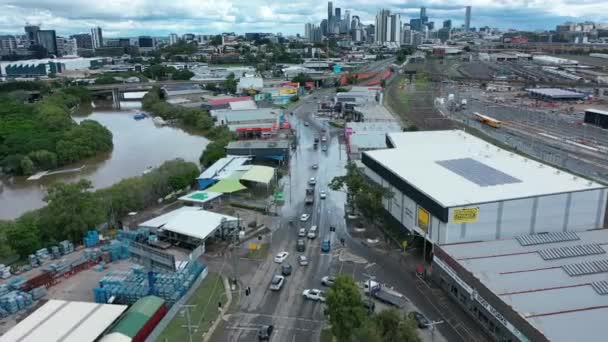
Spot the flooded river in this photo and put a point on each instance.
(137, 145)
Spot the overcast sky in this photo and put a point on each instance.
(161, 17)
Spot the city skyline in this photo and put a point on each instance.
(134, 18)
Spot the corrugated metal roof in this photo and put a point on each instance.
(65, 321)
(566, 299)
(137, 316)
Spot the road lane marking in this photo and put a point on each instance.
(279, 317)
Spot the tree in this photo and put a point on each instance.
(23, 235)
(230, 83)
(367, 332)
(71, 210)
(345, 308)
(302, 78)
(211, 87)
(27, 166)
(213, 152)
(216, 40)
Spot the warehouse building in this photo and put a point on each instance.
(541, 287)
(138, 322)
(45, 67)
(555, 94)
(66, 321)
(596, 117)
(452, 187)
(277, 150)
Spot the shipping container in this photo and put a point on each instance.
(141, 318)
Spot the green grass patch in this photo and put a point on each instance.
(206, 297)
(336, 124)
(260, 253)
(326, 335)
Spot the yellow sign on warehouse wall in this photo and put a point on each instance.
(423, 219)
(465, 215)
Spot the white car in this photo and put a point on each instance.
(322, 194)
(305, 123)
(281, 257)
(312, 181)
(302, 232)
(328, 280)
(304, 217)
(314, 294)
(323, 138)
(303, 260)
(277, 282)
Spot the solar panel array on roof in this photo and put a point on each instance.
(601, 287)
(583, 268)
(544, 238)
(571, 251)
(477, 172)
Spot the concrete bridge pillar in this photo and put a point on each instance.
(116, 98)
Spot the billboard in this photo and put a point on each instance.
(423, 219)
(465, 215)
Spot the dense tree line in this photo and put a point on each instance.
(180, 48)
(351, 321)
(74, 208)
(162, 72)
(43, 136)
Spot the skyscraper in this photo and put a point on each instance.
(347, 20)
(172, 38)
(48, 39)
(388, 27)
(447, 24)
(83, 41)
(422, 12)
(416, 24)
(330, 11)
(324, 28)
(355, 22)
(97, 37)
(308, 31)
(467, 19)
(338, 14)
(31, 31)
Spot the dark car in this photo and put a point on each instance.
(264, 332)
(286, 269)
(301, 245)
(420, 319)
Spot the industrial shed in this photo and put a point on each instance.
(66, 321)
(541, 287)
(452, 187)
(596, 117)
(137, 323)
(555, 94)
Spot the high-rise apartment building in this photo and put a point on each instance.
(31, 31)
(97, 37)
(308, 31)
(173, 38)
(338, 14)
(330, 10)
(347, 20)
(388, 27)
(48, 39)
(447, 24)
(416, 24)
(467, 19)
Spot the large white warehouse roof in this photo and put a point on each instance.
(60, 320)
(456, 169)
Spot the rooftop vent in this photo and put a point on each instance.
(571, 251)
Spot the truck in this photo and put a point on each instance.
(310, 196)
(384, 294)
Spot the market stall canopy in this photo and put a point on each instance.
(259, 174)
(227, 186)
(200, 197)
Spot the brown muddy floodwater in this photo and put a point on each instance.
(137, 146)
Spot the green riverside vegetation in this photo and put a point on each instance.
(43, 136)
(195, 118)
(74, 208)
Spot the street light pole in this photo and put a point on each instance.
(432, 326)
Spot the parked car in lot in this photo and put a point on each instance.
(304, 217)
(303, 260)
(302, 232)
(286, 269)
(301, 245)
(314, 294)
(264, 332)
(312, 181)
(328, 280)
(277, 282)
(420, 319)
(279, 258)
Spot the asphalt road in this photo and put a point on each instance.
(297, 319)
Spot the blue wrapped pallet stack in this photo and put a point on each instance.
(129, 286)
(134, 235)
(91, 239)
